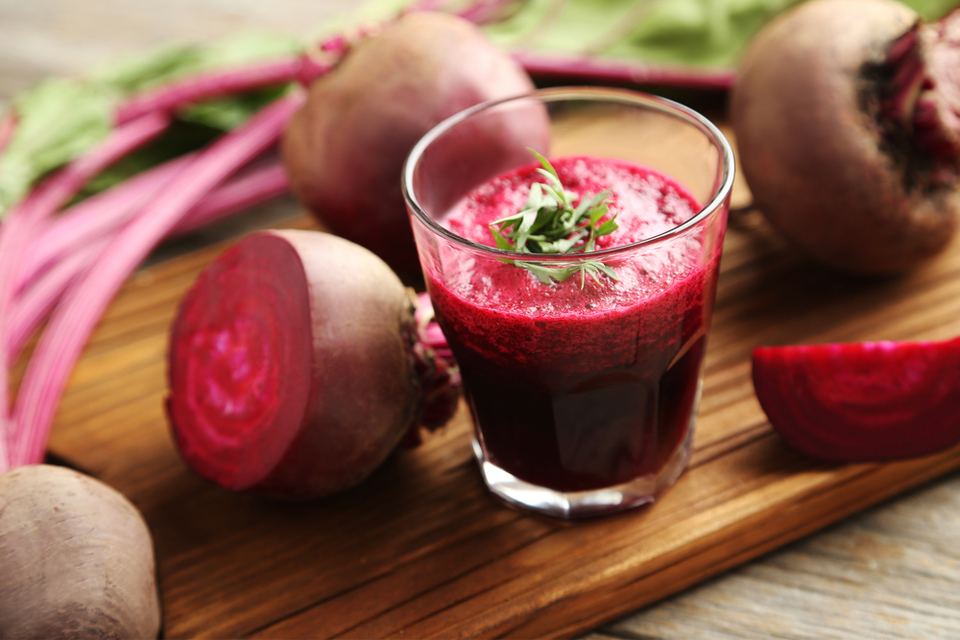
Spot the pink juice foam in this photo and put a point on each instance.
(580, 388)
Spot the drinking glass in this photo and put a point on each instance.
(583, 392)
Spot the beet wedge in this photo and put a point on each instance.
(860, 402)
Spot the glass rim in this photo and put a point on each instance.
(623, 96)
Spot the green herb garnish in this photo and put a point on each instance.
(550, 223)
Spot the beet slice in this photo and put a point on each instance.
(295, 367)
(859, 402)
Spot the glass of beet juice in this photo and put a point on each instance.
(580, 343)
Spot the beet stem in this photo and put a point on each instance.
(23, 221)
(211, 85)
(104, 213)
(17, 228)
(81, 308)
(436, 369)
(429, 333)
(484, 11)
(424, 5)
(97, 216)
(7, 126)
(56, 191)
(33, 305)
(239, 194)
(595, 69)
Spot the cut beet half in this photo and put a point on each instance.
(240, 363)
(297, 366)
(859, 402)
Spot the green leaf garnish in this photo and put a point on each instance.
(550, 223)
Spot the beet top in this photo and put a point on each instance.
(295, 368)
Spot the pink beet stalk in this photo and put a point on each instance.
(57, 191)
(211, 85)
(7, 126)
(48, 197)
(483, 11)
(93, 218)
(33, 305)
(78, 313)
(240, 193)
(15, 232)
(102, 214)
(437, 369)
(594, 69)
(429, 333)
(302, 68)
(23, 221)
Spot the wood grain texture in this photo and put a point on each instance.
(890, 572)
(421, 550)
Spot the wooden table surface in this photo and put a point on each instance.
(892, 571)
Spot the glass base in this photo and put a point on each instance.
(583, 504)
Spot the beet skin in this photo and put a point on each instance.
(76, 559)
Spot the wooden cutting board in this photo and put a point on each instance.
(421, 550)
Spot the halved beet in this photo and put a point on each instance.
(296, 367)
(858, 402)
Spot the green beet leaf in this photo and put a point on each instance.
(62, 118)
(59, 120)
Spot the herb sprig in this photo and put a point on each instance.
(550, 223)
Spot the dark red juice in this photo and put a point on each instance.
(576, 387)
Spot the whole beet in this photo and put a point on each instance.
(295, 367)
(344, 151)
(828, 115)
(76, 559)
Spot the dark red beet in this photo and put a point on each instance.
(345, 149)
(859, 402)
(294, 366)
(846, 119)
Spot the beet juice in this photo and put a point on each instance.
(579, 327)
(591, 382)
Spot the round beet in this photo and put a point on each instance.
(76, 559)
(845, 118)
(295, 367)
(345, 149)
